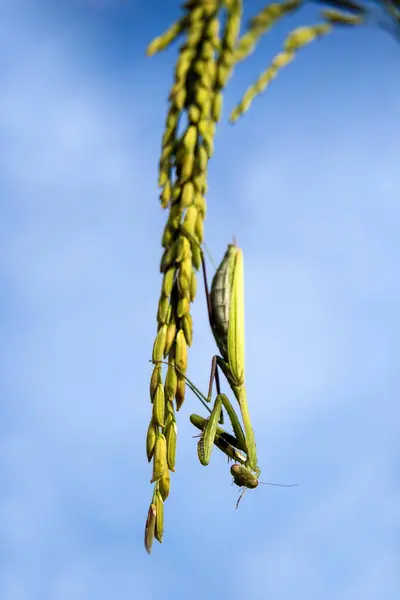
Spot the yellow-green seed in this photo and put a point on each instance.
(185, 58)
(186, 167)
(180, 155)
(168, 258)
(167, 152)
(282, 59)
(163, 175)
(223, 75)
(304, 35)
(175, 213)
(150, 528)
(171, 331)
(199, 182)
(181, 351)
(168, 237)
(165, 166)
(203, 100)
(201, 159)
(159, 527)
(190, 138)
(168, 135)
(207, 83)
(204, 126)
(183, 307)
(171, 382)
(159, 344)
(208, 142)
(170, 415)
(163, 306)
(163, 41)
(178, 99)
(164, 484)
(168, 317)
(176, 195)
(151, 440)
(187, 326)
(165, 195)
(217, 106)
(193, 286)
(160, 458)
(207, 51)
(184, 276)
(338, 18)
(196, 256)
(170, 436)
(171, 354)
(168, 281)
(232, 30)
(194, 114)
(199, 67)
(212, 29)
(199, 228)
(200, 204)
(187, 194)
(159, 406)
(183, 249)
(194, 36)
(189, 222)
(155, 379)
(180, 392)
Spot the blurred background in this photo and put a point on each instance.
(309, 182)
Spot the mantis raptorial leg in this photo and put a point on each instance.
(238, 440)
(242, 476)
(233, 447)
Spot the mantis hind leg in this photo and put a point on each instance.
(206, 289)
(214, 375)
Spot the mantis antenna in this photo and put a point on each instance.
(265, 483)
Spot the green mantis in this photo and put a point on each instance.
(225, 304)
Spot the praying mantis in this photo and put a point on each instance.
(225, 306)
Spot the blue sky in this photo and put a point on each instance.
(309, 183)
